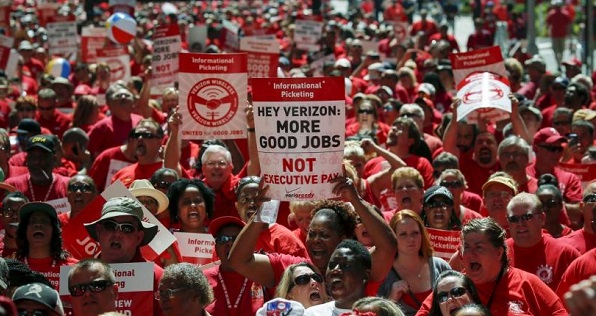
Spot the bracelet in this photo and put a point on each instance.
(250, 129)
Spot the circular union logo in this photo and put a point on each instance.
(212, 102)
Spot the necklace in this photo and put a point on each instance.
(223, 286)
(33, 191)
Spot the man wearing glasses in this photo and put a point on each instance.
(548, 146)
(148, 135)
(113, 130)
(531, 250)
(514, 155)
(585, 239)
(92, 287)
(48, 116)
(121, 232)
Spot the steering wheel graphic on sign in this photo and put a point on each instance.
(474, 94)
(212, 102)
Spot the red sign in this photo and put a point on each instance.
(5, 18)
(118, 59)
(444, 242)
(482, 60)
(93, 39)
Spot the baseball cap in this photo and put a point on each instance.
(549, 136)
(123, 206)
(219, 222)
(573, 61)
(427, 88)
(45, 142)
(506, 181)
(343, 63)
(584, 115)
(280, 306)
(62, 81)
(25, 45)
(436, 191)
(41, 294)
(562, 81)
(28, 125)
(537, 62)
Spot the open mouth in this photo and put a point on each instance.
(317, 253)
(251, 212)
(38, 234)
(475, 266)
(193, 215)
(406, 200)
(315, 296)
(115, 245)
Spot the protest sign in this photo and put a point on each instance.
(115, 166)
(213, 95)
(9, 57)
(162, 240)
(93, 39)
(484, 96)
(166, 46)
(444, 242)
(135, 287)
(45, 11)
(196, 248)
(585, 172)
(197, 37)
(118, 59)
(60, 205)
(262, 56)
(62, 36)
(317, 65)
(231, 36)
(124, 6)
(487, 59)
(76, 239)
(300, 135)
(307, 34)
(400, 29)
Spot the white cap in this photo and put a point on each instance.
(280, 306)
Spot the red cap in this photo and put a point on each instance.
(217, 223)
(573, 61)
(549, 136)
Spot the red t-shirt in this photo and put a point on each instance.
(110, 132)
(469, 215)
(42, 193)
(548, 259)
(57, 124)
(49, 267)
(427, 26)
(101, 166)
(476, 175)
(136, 171)
(375, 165)
(4, 113)
(14, 171)
(518, 293)
(300, 235)
(225, 198)
(250, 294)
(580, 269)
(530, 187)
(278, 239)
(581, 240)
(569, 184)
(558, 22)
(472, 201)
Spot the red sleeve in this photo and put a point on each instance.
(280, 262)
(426, 170)
(425, 308)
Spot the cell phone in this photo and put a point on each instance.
(572, 139)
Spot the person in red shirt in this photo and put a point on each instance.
(531, 250)
(497, 192)
(558, 21)
(552, 203)
(429, 27)
(585, 239)
(111, 160)
(34, 66)
(148, 135)
(454, 181)
(39, 241)
(481, 38)
(536, 69)
(580, 269)
(64, 90)
(442, 35)
(514, 156)
(11, 204)
(81, 191)
(113, 131)
(47, 114)
(503, 289)
(92, 287)
(41, 183)
(5, 108)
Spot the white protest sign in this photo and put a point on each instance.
(231, 35)
(9, 57)
(118, 59)
(92, 40)
(197, 37)
(484, 95)
(318, 64)
(163, 239)
(307, 34)
(195, 248)
(60, 205)
(62, 36)
(300, 135)
(262, 56)
(166, 46)
(213, 95)
(115, 166)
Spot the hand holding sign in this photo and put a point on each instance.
(250, 116)
(174, 122)
(345, 187)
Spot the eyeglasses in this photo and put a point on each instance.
(167, 294)
(145, 135)
(514, 155)
(83, 187)
(164, 185)
(9, 212)
(520, 218)
(552, 149)
(410, 115)
(452, 184)
(590, 198)
(221, 163)
(35, 312)
(305, 278)
(438, 205)
(455, 292)
(113, 226)
(123, 96)
(93, 287)
(223, 239)
(363, 111)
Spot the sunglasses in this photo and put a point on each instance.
(164, 185)
(305, 278)
(438, 205)
(410, 115)
(93, 287)
(224, 239)
(145, 135)
(35, 312)
(83, 187)
(454, 292)
(452, 184)
(590, 198)
(520, 218)
(366, 111)
(112, 226)
(9, 212)
(553, 149)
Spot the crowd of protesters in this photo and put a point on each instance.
(526, 221)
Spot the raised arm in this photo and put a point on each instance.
(254, 164)
(394, 162)
(517, 123)
(172, 152)
(450, 135)
(143, 107)
(384, 240)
